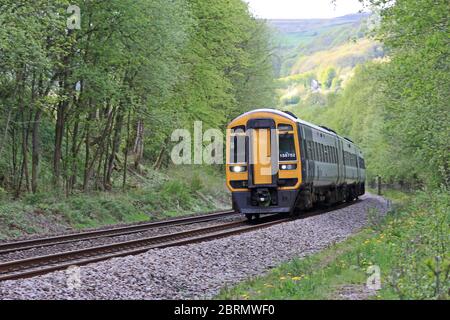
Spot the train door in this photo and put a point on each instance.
(342, 164)
(263, 167)
(358, 169)
(261, 155)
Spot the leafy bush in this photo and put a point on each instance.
(3, 194)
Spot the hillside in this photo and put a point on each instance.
(319, 55)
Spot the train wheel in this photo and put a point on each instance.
(348, 196)
(296, 213)
(249, 217)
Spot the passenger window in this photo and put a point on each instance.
(316, 152)
(310, 150)
(322, 152)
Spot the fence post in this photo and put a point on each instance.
(379, 185)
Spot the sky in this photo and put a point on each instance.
(302, 9)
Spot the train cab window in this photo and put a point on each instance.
(238, 130)
(286, 145)
(285, 127)
(238, 149)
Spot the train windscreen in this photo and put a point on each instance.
(286, 145)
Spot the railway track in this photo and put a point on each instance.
(29, 267)
(110, 232)
(38, 265)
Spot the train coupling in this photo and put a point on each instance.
(263, 197)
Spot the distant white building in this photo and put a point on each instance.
(315, 85)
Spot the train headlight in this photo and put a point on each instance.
(238, 169)
(288, 166)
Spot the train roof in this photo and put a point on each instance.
(294, 118)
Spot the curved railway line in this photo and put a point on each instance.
(110, 232)
(43, 264)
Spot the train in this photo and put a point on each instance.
(278, 163)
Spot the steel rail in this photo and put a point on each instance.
(116, 231)
(33, 266)
(40, 265)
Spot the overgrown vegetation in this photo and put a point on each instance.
(318, 56)
(80, 108)
(397, 108)
(410, 246)
(91, 109)
(168, 193)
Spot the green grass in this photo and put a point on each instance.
(172, 193)
(410, 245)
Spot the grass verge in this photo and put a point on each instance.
(410, 246)
(158, 195)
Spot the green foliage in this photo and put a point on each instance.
(74, 102)
(326, 51)
(357, 112)
(418, 85)
(170, 193)
(15, 220)
(410, 246)
(327, 77)
(3, 194)
(297, 39)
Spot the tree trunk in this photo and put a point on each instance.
(159, 160)
(115, 148)
(5, 134)
(101, 146)
(125, 163)
(59, 135)
(138, 149)
(87, 143)
(74, 154)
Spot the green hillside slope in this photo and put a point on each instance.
(315, 57)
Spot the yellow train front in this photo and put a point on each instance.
(277, 163)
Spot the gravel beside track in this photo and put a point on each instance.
(197, 271)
